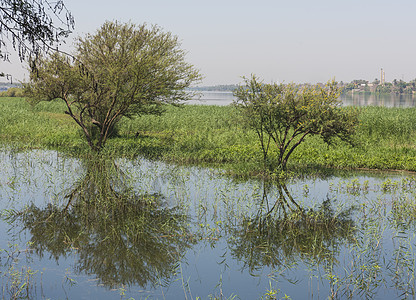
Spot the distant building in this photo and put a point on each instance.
(382, 77)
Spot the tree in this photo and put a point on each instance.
(286, 114)
(31, 26)
(139, 236)
(7, 77)
(121, 70)
(280, 231)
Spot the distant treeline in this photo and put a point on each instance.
(356, 86)
(12, 92)
(394, 87)
(10, 89)
(359, 85)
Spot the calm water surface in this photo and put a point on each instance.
(226, 98)
(201, 235)
(379, 100)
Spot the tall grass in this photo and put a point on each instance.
(210, 134)
(44, 125)
(392, 125)
(385, 138)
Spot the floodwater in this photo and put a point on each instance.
(83, 229)
(212, 98)
(357, 99)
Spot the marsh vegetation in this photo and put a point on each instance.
(110, 187)
(125, 223)
(105, 196)
(215, 135)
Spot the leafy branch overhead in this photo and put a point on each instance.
(33, 26)
(121, 70)
(284, 115)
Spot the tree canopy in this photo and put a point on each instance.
(120, 70)
(33, 25)
(284, 115)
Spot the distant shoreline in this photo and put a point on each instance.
(375, 93)
(231, 88)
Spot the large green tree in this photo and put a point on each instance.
(120, 70)
(284, 115)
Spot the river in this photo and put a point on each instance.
(357, 99)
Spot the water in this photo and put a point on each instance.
(202, 234)
(379, 100)
(213, 98)
(357, 99)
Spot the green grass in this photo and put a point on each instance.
(43, 126)
(386, 137)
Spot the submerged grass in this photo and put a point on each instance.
(216, 135)
(356, 241)
(17, 281)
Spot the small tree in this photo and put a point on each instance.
(285, 115)
(121, 70)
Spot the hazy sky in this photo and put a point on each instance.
(292, 40)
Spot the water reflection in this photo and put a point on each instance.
(121, 237)
(387, 100)
(356, 99)
(283, 232)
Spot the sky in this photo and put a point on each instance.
(279, 41)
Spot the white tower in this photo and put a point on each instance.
(382, 77)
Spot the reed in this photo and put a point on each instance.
(217, 136)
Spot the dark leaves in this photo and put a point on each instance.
(31, 26)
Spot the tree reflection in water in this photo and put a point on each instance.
(121, 237)
(283, 232)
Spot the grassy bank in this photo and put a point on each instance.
(386, 137)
